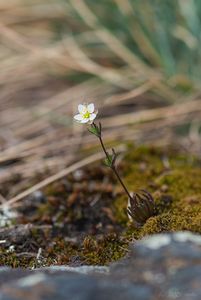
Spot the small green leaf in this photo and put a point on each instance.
(94, 130)
(109, 161)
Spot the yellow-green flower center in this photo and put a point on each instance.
(86, 115)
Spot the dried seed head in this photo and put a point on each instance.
(141, 207)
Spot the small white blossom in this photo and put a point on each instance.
(86, 114)
(11, 249)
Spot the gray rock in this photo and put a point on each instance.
(81, 269)
(169, 263)
(73, 286)
(163, 266)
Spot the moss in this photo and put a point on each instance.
(13, 260)
(119, 207)
(176, 189)
(89, 220)
(104, 250)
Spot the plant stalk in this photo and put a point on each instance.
(114, 168)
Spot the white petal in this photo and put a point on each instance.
(82, 108)
(90, 108)
(92, 117)
(78, 117)
(84, 121)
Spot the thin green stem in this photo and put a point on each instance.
(121, 181)
(103, 147)
(114, 168)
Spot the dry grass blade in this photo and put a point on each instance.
(60, 175)
(153, 114)
(116, 99)
(108, 74)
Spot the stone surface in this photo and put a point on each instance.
(163, 266)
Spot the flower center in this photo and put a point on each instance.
(86, 115)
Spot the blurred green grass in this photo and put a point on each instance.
(161, 35)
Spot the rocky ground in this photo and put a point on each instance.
(73, 239)
(163, 266)
(82, 219)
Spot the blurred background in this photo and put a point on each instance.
(138, 61)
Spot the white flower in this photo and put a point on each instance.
(11, 249)
(86, 114)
